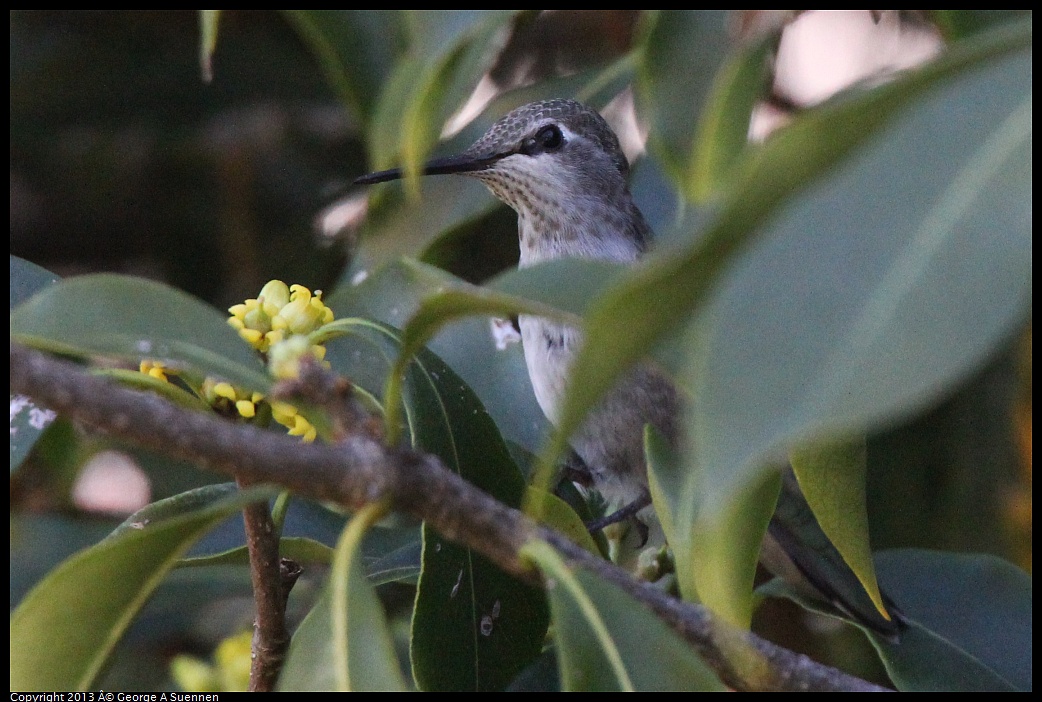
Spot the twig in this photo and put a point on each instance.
(270, 636)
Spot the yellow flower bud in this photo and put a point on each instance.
(274, 293)
(194, 675)
(154, 369)
(300, 316)
(284, 357)
(304, 429)
(233, 658)
(277, 313)
(253, 336)
(224, 390)
(283, 413)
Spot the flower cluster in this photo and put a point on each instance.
(277, 323)
(155, 369)
(229, 671)
(278, 313)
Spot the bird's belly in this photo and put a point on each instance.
(549, 350)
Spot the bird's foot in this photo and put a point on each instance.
(623, 514)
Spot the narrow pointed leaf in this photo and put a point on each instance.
(297, 548)
(568, 283)
(723, 131)
(208, 20)
(560, 516)
(960, 24)
(399, 565)
(665, 483)
(715, 561)
(397, 225)
(457, 48)
(724, 548)
(449, 51)
(474, 627)
(425, 227)
(832, 477)
(674, 81)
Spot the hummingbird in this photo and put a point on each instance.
(559, 165)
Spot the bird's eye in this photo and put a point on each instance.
(549, 138)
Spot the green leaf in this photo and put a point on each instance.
(397, 226)
(986, 646)
(665, 482)
(27, 419)
(356, 50)
(474, 627)
(715, 561)
(567, 284)
(559, 515)
(682, 51)
(723, 549)
(63, 631)
(891, 309)
(425, 300)
(27, 279)
(344, 643)
(424, 228)
(607, 641)
(208, 20)
(392, 294)
(832, 478)
(183, 503)
(132, 319)
(28, 422)
(960, 24)
(141, 381)
(399, 565)
(723, 131)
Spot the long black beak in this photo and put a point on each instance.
(462, 163)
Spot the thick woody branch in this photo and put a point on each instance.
(359, 470)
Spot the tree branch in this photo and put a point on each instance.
(360, 469)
